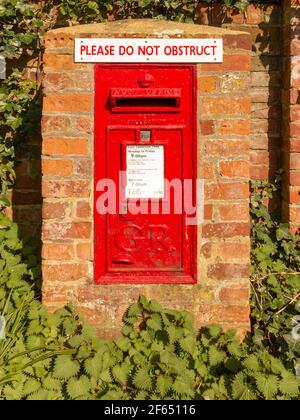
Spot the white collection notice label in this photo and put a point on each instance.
(145, 171)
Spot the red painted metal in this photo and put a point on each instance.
(131, 98)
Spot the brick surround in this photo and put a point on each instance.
(222, 293)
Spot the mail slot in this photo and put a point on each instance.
(145, 168)
(145, 100)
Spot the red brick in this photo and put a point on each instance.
(234, 211)
(234, 62)
(234, 294)
(59, 82)
(264, 157)
(271, 126)
(206, 250)
(226, 148)
(294, 214)
(64, 146)
(295, 71)
(57, 167)
(294, 145)
(220, 314)
(207, 84)
(84, 167)
(261, 172)
(265, 95)
(295, 47)
(84, 124)
(58, 251)
(84, 251)
(55, 123)
(242, 41)
(295, 129)
(234, 169)
(224, 271)
(294, 195)
(207, 170)
(60, 189)
(223, 106)
(75, 230)
(83, 209)
(225, 230)
(68, 102)
(295, 178)
(65, 272)
(295, 113)
(59, 40)
(55, 298)
(295, 161)
(266, 79)
(233, 250)
(56, 210)
(208, 211)
(227, 191)
(239, 127)
(61, 61)
(207, 127)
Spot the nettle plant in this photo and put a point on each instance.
(275, 279)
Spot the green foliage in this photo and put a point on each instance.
(16, 95)
(85, 11)
(275, 277)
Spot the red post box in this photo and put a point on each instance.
(145, 141)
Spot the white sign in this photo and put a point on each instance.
(145, 171)
(146, 50)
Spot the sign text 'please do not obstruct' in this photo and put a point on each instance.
(141, 50)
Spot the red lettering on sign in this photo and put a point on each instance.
(148, 50)
(123, 50)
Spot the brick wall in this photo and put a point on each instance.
(291, 113)
(264, 23)
(222, 292)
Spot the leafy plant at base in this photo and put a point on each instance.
(275, 299)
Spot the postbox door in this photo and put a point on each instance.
(145, 237)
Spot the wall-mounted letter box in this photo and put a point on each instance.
(145, 171)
